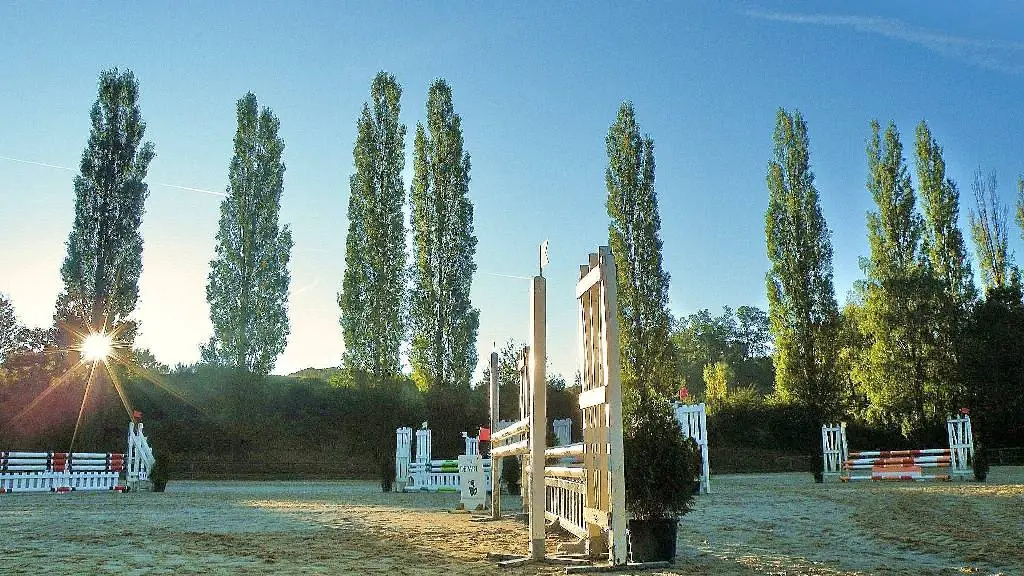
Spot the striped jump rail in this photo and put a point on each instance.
(60, 471)
(898, 465)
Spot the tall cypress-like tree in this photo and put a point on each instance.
(248, 283)
(943, 240)
(443, 321)
(802, 309)
(634, 235)
(988, 230)
(895, 372)
(9, 328)
(373, 289)
(943, 246)
(104, 258)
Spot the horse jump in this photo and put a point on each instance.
(61, 472)
(906, 465)
(587, 497)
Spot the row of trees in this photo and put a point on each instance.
(914, 344)
(248, 281)
(385, 302)
(383, 299)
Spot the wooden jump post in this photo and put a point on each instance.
(585, 498)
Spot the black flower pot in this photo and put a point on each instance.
(652, 540)
(159, 485)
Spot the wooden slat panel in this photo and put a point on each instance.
(565, 472)
(563, 451)
(521, 447)
(596, 517)
(593, 397)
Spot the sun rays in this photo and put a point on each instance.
(98, 354)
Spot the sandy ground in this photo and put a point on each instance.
(777, 524)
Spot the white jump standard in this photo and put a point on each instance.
(585, 495)
(900, 465)
(694, 420)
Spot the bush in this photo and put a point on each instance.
(158, 476)
(661, 464)
(511, 473)
(980, 462)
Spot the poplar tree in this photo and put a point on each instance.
(372, 295)
(9, 328)
(104, 257)
(634, 234)
(248, 283)
(802, 309)
(894, 371)
(443, 321)
(943, 242)
(953, 291)
(988, 231)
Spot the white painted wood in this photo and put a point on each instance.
(538, 412)
(593, 397)
(616, 467)
(495, 420)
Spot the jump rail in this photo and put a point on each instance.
(78, 471)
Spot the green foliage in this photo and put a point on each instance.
(993, 367)
(716, 385)
(511, 473)
(634, 235)
(161, 471)
(248, 282)
(443, 321)
(980, 464)
(891, 369)
(742, 340)
(104, 258)
(948, 265)
(988, 230)
(372, 297)
(9, 328)
(943, 243)
(918, 289)
(661, 464)
(801, 300)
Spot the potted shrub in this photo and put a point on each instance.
(158, 475)
(661, 468)
(980, 462)
(511, 472)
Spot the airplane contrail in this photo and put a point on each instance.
(506, 275)
(45, 165)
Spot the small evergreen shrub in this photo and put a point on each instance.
(661, 464)
(980, 463)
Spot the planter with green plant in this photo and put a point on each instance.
(160, 472)
(661, 470)
(511, 473)
(980, 462)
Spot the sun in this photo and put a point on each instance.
(96, 347)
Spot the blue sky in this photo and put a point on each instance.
(537, 86)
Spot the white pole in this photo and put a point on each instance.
(616, 467)
(538, 413)
(495, 462)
